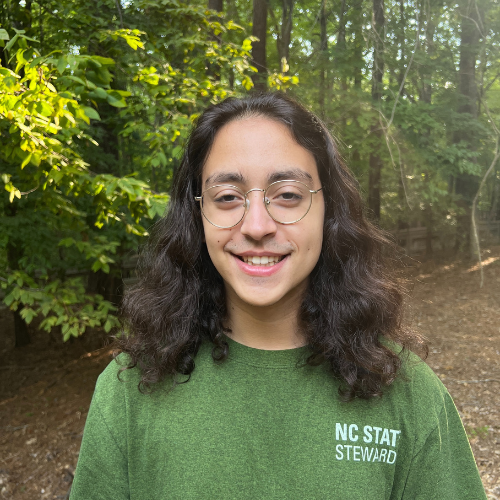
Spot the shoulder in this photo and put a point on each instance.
(415, 377)
(116, 383)
(424, 398)
(423, 383)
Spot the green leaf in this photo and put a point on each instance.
(26, 161)
(44, 108)
(27, 314)
(67, 242)
(4, 35)
(91, 112)
(96, 266)
(12, 42)
(9, 299)
(62, 62)
(106, 61)
(125, 185)
(116, 100)
(76, 79)
(100, 93)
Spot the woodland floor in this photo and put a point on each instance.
(46, 387)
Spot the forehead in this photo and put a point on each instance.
(257, 150)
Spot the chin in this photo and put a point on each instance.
(263, 298)
(261, 303)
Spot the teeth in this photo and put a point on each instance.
(265, 260)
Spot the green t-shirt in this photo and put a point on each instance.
(259, 427)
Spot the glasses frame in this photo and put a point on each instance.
(264, 199)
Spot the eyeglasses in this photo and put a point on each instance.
(286, 202)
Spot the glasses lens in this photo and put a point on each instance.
(223, 206)
(288, 201)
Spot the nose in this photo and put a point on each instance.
(257, 222)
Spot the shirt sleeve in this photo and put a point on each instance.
(443, 468)
(102, 470)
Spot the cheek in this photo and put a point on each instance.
(316, 233)
(215, 241)
(316, 244)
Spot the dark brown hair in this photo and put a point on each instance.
(352, 301)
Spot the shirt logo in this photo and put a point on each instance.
(382, 443)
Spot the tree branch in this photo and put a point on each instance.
(483, 180)
(117, 2)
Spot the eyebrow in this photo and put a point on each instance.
(296, 174)
(223, 178)
(281, 175)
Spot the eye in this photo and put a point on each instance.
(227, 198)
(290, 196)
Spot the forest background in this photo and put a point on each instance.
(98, 98)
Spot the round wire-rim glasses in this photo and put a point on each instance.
(265, 199)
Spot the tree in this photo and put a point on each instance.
(73, 208)
(323, 60)
(377, 75)
(467, 183)
(259, 31)
(283, 39)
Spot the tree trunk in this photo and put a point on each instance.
(429, 220)
(426, 97)
(358, 43)
(377, 74)
(357, 64)
(323, 61)
(494, 200)
(259, 30)
(215, 5)
(284, 39)
(402, 222)
(105, 284)
(14, 254)
(402, 59)
(21, 330)
(466, 185)
(341, 49)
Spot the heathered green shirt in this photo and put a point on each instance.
(259, 427)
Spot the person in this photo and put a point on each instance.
(265, 354)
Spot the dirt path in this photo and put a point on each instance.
(45, 390)
(462, 323)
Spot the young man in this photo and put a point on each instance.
(266, 332)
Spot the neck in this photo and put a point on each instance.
(268, 328)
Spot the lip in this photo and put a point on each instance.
(260, 271)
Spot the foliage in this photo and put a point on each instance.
(84, 133)
(93, 121)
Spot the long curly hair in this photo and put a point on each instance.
(353, 300)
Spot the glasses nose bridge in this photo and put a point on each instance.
(247, 201)
(254, 189)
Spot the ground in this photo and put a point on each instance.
(46, 387)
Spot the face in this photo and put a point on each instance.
(251, 153)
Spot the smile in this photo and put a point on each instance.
(260, 268)
(264, 260)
